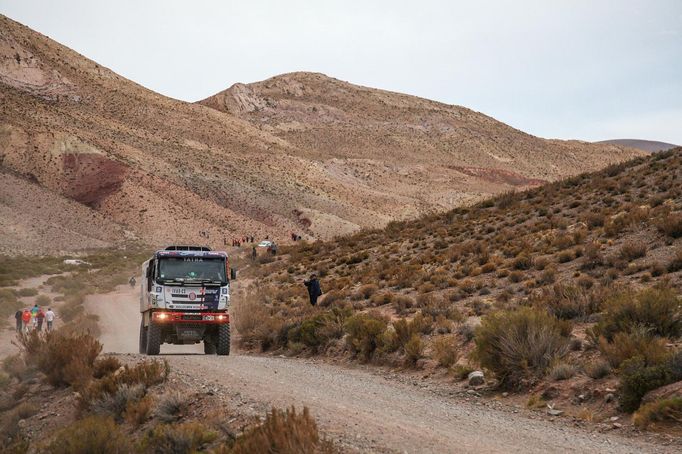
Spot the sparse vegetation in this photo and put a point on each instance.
(520, 345)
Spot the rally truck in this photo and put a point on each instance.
(184, 297)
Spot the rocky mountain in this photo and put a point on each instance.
(651, 146)
(299, 152)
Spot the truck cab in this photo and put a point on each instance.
(184, 299)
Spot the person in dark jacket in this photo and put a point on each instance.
(314, 289)
(17, 317)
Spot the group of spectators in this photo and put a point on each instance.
(239, 241)
(32, 319)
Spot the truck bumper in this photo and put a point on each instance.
(209, 318)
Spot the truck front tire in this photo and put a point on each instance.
(153, 339)
(209, 347)
(143, 337)
(223, 347)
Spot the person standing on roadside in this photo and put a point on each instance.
(26, 319)
(17, 317)
(254, 253)
(40, 317)
(49, 317)
(314, 289)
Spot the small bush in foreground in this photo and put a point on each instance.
(188, 438)
(64, 359)
(93, 434)
(671, 225)
(666, 410)
(520, 345)
(283, 432)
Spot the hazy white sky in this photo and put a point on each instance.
(563, 68)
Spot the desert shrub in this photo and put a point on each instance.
(285, 432)
(636, 343)
(515, 276)
(364, 334)
(365, 291)
(676, 263)
(522, 262)
(562, 371)
(520, 345)
(445, 350)
(461, 371)
(116, 403)
(90, 435)
(637, 379)
(632, 250)
(138, 412)
(565, 256)
(657, 309)
(403, 303)
(568, 302)
(466, 331)
(665, 410)
(414, 349)
(183, 438)
(105, 366)
(64, 359)
(171, 407)
(254, 322)
(598, 369)
(27, 292)
(319, 329)
(671, 225)
(147, 373)
(43, 300)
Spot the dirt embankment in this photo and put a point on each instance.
(360, 409)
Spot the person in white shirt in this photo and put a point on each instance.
(49, 318)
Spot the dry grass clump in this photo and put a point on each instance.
(636, 343)
(632, 250)
(671, 225)
(93, 434)
(661, 411)
(520, 345)
(566, 301)
(562, 371)
(189, 437)
(657, 309)
(284, 432)
(171, 407)
(445, 350)
(598, 369)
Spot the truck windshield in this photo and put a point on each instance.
(188, 269)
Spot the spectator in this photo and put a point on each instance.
(314, 289)
(26, 319)
(254, 253)
(49, 317)
(17, 317)
(40, 317)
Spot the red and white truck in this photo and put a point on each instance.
(184, 299)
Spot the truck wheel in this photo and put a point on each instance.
(224, 339)
(143, 337)
(209, 348)
(153, 339)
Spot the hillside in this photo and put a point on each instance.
(300, 152)
(581, 275)
(651, 146)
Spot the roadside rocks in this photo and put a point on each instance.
(476, 378)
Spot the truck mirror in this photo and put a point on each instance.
(233, 274)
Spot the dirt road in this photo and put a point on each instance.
(364, 411)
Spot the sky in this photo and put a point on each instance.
(569, 69)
